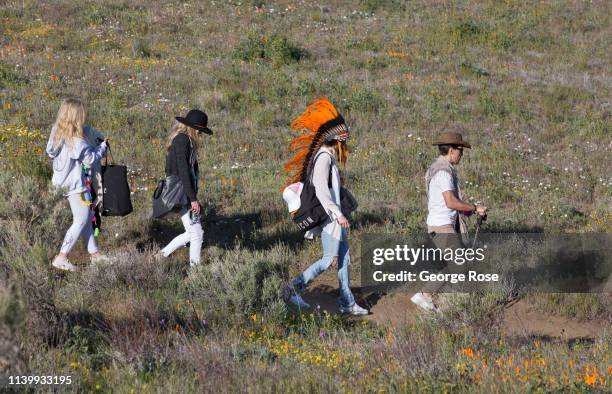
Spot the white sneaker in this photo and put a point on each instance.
(62, 263)
(354, 310)
(100, 258)
(424, 301)
(297, 300)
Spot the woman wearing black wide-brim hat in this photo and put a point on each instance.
(182, 160)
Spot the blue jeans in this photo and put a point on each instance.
(331, 248)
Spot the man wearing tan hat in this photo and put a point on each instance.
(445, 206)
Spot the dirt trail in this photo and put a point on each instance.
(396, 309)
(519, 319)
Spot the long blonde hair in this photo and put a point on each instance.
(69, 122)
(180, 128)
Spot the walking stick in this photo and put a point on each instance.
(478, 223)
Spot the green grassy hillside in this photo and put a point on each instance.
(529, 83)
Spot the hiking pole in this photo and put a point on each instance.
(478, 223)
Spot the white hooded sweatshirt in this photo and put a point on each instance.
(68, 160)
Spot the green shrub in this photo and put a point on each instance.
(559, 102)
(497, 104)
(482, 308)
(275, 49)
(473, 69)
(9, 77)
(241, 282)
(421, 349)
(31, 214)
(367, 43)
(33, 221)
(502, 40)
(35, 167)
(363, 100)
(142, 49)
(468, 32)
(397, 77)
(87, 344)
(392, 6)
(580, 306)
(11, 321)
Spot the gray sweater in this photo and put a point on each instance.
(68, 160)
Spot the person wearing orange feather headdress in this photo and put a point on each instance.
(316, 156)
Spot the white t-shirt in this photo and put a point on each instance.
(438, 213)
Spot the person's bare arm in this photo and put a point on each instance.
(452, 202)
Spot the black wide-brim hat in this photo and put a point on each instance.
(196, 119)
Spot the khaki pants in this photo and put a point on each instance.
(445, 237)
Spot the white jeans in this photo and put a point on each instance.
(194, 235)
(81, 225)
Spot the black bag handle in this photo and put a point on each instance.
(159, 189)
(314, 162)
(110, 153)
(100, 140)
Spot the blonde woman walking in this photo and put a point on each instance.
(75, 159)
(182, 161)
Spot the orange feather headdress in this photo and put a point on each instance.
(321, 121)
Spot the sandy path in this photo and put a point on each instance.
(519, 319)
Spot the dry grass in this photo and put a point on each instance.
(529, 82)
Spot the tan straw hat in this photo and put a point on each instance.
(451, 138)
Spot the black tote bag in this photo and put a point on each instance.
(169, 196)
(116, 196)
(311, 213)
